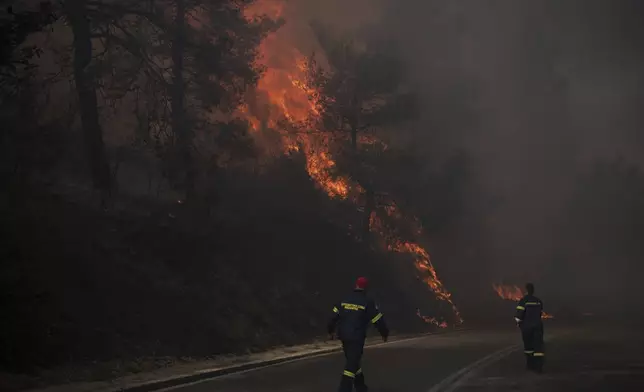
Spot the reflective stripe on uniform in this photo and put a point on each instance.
(352, 306)
(520, 307)
(539, 354)
(359, 372)
(335, 310)
(349, 374)
(529, 352)
(375, 319)
(532, 303)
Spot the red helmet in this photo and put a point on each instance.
(361, 283)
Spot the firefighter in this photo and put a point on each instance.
(352, 318)
(528, 318)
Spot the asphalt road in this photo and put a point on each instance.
(414, 365)
(443, 363)
(593, 358)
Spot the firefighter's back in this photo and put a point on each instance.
(354, 317)
(533, 308)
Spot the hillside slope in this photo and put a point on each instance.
(81, 285)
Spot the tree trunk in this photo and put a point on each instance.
(354, 140)
(369, 208)
(355, 120)
(365, 180)
(85, 78)
(179, 127)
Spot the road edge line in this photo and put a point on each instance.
(459, 378)
(451, 382)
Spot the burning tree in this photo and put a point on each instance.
(213, 64)
(316, 104)
(359, 88)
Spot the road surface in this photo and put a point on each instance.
(459, 362)
(595, 358)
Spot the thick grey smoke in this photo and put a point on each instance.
(535, 92)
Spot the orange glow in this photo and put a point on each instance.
(285, 103)
(291, 109)
(431, 320)
(422, 261)
(272, 9)
(427, 271)
(545, 316)
(514, 293)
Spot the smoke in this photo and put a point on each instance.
(534, 93)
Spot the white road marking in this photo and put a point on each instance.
(456, 379)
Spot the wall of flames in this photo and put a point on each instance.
(283, 103)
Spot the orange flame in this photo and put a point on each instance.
(424, 265)
(431, 320)
(514, 293)
(290, 107)
(546, 316)
(290, 104)
(422, 260)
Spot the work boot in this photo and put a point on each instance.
(360, 384)
(538, 365)
(529, 362)
(346, 384)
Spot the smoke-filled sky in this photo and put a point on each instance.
(533, 91)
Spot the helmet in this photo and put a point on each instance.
(361, 283)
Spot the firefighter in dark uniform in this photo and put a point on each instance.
(352, 318)
(528, 318)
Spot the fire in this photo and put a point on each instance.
(427, 272)
(291, 109)
(286, 104)
(514, 293)
(545, 316)
(423, 264)
(272, 9)
(431, 320)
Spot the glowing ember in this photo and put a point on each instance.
(514, 293)
(286, 104)
(431, 320)
(545, 316)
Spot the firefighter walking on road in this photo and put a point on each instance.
(528, 318)
(352, 318)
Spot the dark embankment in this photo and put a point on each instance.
(82, 285)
